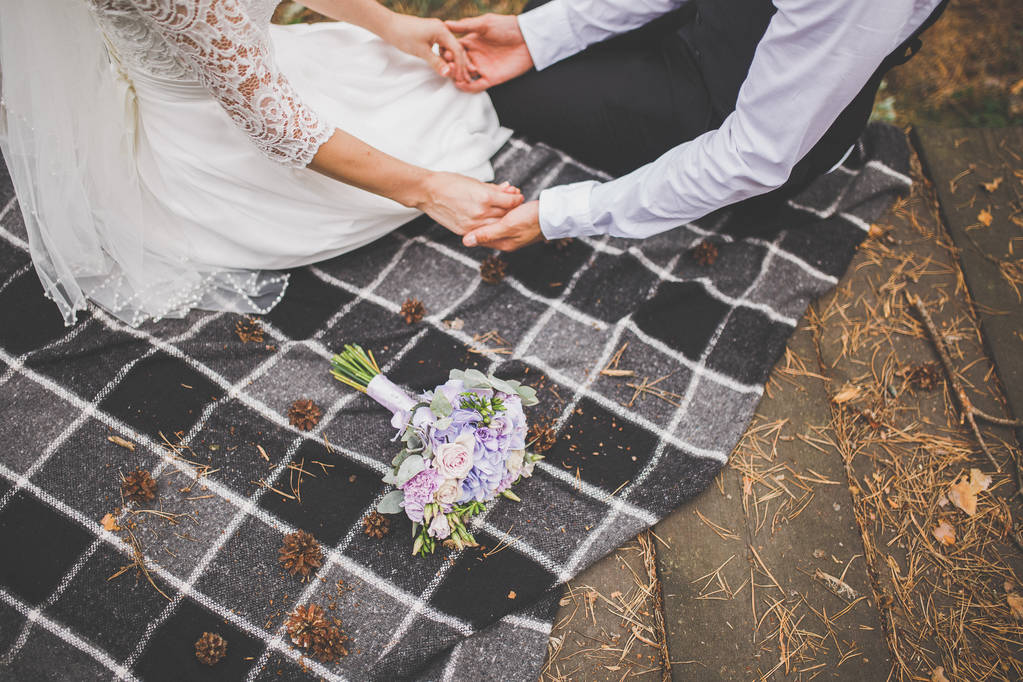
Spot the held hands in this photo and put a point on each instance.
(496, 50)
(417, 36)
(463, 204)
(519, 227)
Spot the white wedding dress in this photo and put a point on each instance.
(220, 113)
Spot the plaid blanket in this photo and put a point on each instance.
(208, 416)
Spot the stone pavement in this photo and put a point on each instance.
(819, 552)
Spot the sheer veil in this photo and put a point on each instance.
(67, 132)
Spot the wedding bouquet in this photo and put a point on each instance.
(464, 444)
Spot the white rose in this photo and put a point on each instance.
(515, 461)
(448, 492)
(453, 460)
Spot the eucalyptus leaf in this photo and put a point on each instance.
(528, 395)
(456, 375)
(476, 379)
(409, 468)
(442, 424)
(502, 385)
(391, 502)
(399, 458)
(440, 405)
(413, 443)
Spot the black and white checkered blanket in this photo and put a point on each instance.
(710, 332)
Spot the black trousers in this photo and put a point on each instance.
(622, 103)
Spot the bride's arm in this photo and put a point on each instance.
(455, 201)
(231, 57)
(414, 35)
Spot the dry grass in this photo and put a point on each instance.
(966, 72)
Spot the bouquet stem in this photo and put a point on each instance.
(355, 367)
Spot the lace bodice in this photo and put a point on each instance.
(225, 46)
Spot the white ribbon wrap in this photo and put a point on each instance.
(390, 395)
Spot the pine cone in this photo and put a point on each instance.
(704, 253)
(925, 377)
(376, 525)
(138, 486)
(304, 414)
(300, 554)
(306, 624)
(210, 648)
(412, 310)
(249, 329)
(543, 436)
(492, 269)
(330, 647)
(310, 629)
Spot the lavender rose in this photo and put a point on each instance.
(419, 492)
(453, 460)
(439, 527)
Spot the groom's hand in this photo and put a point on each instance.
(519, 227)
(496, 49)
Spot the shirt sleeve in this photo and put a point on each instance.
(232, 58)
(561, 28)
(814, 58)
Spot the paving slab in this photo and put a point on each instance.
(978, 176)
(607, 628)
(782, 530)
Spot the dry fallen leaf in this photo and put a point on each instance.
(963, 492)
(1016, 604)
(979, 480)
(1017, 87)
(847, 393)
(944, 533)
(993, 185)
(110, 523)
(963, 496)
(511, 594)
(985, 218)
(938, 674)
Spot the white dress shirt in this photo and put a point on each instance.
(814, 58)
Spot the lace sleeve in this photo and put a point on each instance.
(230, 56)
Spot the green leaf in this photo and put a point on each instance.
(456, 375)
(391, 502)
(528, 395)
(413, 443)
(440, 405)
(501, 385)
(399, 458)
(409, 468)
(476, 379)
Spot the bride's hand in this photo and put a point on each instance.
(417, 36)
(462, 204)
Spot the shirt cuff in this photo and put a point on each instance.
(565, 211)
(548, 34)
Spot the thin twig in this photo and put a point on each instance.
(969, 410)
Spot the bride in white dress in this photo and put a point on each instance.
(165, 153)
